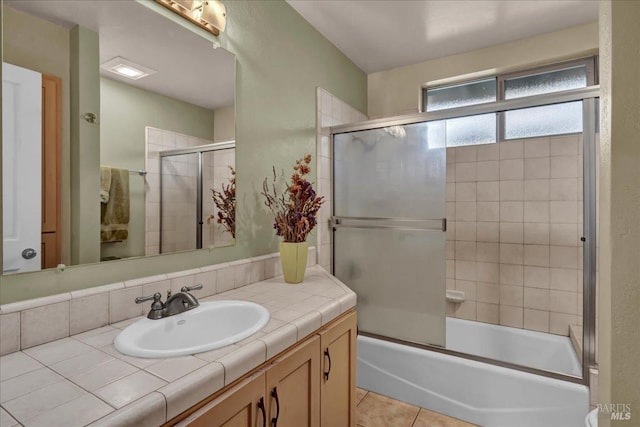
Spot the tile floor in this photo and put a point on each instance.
(375, 410)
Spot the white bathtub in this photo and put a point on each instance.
(484, 394)
(527, 348)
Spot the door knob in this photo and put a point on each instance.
(29, 253)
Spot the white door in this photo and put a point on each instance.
(21, 168)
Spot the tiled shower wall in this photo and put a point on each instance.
(514, 211)
(331, 111)
(179, 190)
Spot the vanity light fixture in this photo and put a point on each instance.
(210, 15)
(126, 68)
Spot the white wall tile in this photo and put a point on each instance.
(465, 251)
(488, 293)
(488, 231)
(488, 252)
(511, 232)
(564, 145)
(564, 256)
(511, 190)
(563, 302)
(537, 277)
(88, 313)
(488, 272)
(9, 333)
(511, 169)
(511, 211)
(488, 313)
(466, 231)
(536, 233)
(564, 279)
(511, 253)
(466, 172)
(511, 274)
(564, 167)
(488, 171)
(536, 255)
(511, 150)
(536, 298)
(559, 323)
(536, 147)
(536, 320)
(465, 192)
(488, 191)
(466, 154)
(122, 304)
(488, 152)
(537, 168)
(44, 324)
(511, 316)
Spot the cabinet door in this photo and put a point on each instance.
(239, 407)
(293, 387)
(338, 389)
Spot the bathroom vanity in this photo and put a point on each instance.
(310, 384)
(299, 370)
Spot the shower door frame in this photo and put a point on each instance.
(589, 97)
(199, 150)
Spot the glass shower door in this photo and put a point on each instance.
(389, 228)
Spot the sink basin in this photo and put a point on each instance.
(209, 326)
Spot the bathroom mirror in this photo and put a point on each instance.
(137, 129)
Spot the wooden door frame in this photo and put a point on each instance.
(52, 139)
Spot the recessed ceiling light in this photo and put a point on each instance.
(125, 68)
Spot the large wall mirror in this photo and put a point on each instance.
(118, 135)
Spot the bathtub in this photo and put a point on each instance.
(549, 352)
(480, 393)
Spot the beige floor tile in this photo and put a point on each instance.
(360, 394)
(380, 411)
(428, 418)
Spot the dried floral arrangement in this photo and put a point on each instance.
(295, 210)
(225, 201)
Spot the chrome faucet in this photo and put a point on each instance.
(175, 304)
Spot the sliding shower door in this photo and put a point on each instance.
(389, 228)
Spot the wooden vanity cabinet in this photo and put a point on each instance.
(338, 385)
(241, 406)
(293, 387)
(312, 384)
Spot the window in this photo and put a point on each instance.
(525, 123)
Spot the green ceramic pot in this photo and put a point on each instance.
(293, 257)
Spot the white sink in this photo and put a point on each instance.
(207, 327)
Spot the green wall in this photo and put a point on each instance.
(281, 59)
(125, 112)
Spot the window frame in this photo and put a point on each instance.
(590, 62)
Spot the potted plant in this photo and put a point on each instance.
(295, 212)
(225, 201)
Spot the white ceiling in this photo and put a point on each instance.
(382, 34)
(188, 68)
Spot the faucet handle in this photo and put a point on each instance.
(191, 288)
(155, 297)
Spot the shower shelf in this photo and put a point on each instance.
(455, 296)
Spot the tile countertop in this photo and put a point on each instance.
(83, 380)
